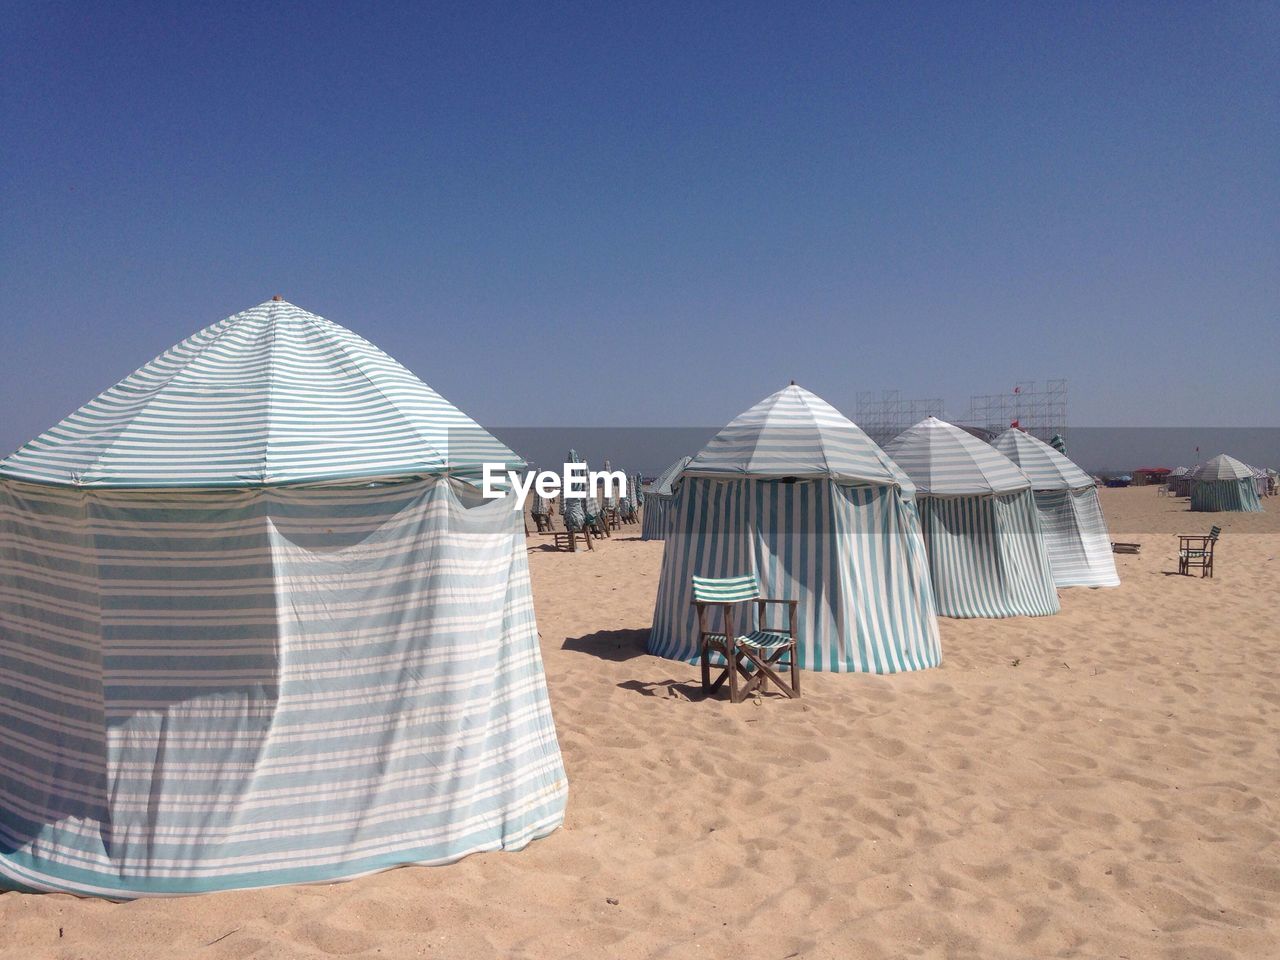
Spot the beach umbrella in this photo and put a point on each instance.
(573, 510)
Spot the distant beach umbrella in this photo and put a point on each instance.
(573, 509)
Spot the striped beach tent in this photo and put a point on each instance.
(1224, 484)
(258, 626)
(987, 554)
(658, 499)
(1180, 481)
(1261, 480)
(794, 493)
(1075, 531)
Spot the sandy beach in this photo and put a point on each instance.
(1101, 783)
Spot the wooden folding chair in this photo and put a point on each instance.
(567, 539)
(1198, 552)
(752, 657)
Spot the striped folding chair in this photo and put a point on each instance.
(753, 656)
(1198, 552)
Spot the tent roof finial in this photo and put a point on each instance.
(277, 298)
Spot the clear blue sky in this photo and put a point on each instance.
(656, 214)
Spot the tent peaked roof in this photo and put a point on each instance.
(944, 460)
(795, 433)
(1045, 467)
(272, 395)
(1222, 467)
(664, 485)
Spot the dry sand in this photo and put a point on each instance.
(1103, 783)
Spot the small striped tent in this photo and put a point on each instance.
(1224, 484)
(258, 627)
(987, 554)
(1075, 531)
(795, 494)
(1180, 481)
(658, 499)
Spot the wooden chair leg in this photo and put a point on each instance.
(795, 669)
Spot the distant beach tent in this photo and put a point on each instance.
(986, 548)
(258, 626)
(1180, 481)
(658, 499)
(1261, 480)
(1224, 484)
(794, 493)
(1075, 531)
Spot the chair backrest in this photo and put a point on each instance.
(725, 590)
(1214, 532)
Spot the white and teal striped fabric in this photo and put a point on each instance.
(850, 552)
(1180, 481)
(987, 556)
(1224, 484)
(1222, 467)
(272, 395)
(724, 589)
(1075, 532)
(213, 688)
(795, 433)
(987, 552)
(944, 461)
(1045, 467)
(1228, 496)
(658, 499)
(851, 555)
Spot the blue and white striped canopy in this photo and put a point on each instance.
(664, 485)
(270, 396)
(944, 461)
(658, 503)
(795, 433)
(1223, 467)
(1045, 467)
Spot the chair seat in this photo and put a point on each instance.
(1194, 553)
(765, 640)
(757, 639)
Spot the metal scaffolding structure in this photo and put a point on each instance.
(885, 416)
(1042, 411)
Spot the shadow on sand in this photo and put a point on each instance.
(667, 689)
(616, 645)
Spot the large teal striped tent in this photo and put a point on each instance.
(258, 626)
(658, 500)
(987, 554)
(795, 493)
(1075, 531)
(1224, 484)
